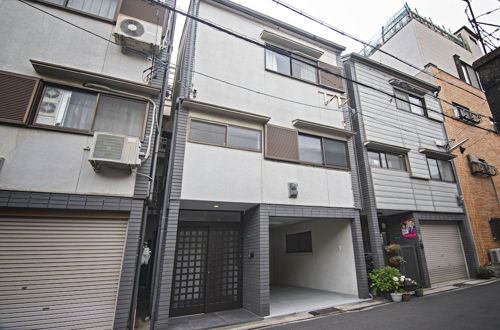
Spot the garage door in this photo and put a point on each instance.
(444, 252)
(59, 273)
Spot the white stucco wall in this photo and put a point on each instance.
(417, 44)
(39, 160)
(329, 267)
(221, 174)
(42, 160)
(216, 173)
(27, 33)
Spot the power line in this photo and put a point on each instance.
(254, 42)
(314, 19)
(488, 12)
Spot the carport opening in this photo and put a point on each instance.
(311, 264)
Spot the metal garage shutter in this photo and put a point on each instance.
(59, 273)
(443, 251)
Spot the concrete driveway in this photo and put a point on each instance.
(474, 307)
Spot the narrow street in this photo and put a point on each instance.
(471, 308)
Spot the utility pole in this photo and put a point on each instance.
(476, 26)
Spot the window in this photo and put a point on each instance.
(467, 73)
(495, 228)
(225, 135)
(299, 242)
(408, 102)
(101, 8)
(386, 160)
(440, 170)
(89, 111)
(313, 149)
(291, 64)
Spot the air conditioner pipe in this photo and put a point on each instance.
(97, 88)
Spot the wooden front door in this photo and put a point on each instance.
(207, 268)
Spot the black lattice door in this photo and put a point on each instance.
(207, 269)
(224, 269)
(188, 287)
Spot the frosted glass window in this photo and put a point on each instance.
(303, 70)
(243, 138)
(208, 132)
(119, 115)
(433, 169)
(310, 149)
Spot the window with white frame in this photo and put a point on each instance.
(409, 102)
(291, 64)
(386, 160)
(225, 135)
(440, 170)
(82, 110)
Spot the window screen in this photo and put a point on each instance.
(208, 132)
(119, 115)
(335, 153)
(446, 170)
(299, 242)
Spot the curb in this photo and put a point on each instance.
(348, 308)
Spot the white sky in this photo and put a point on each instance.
(362, 18)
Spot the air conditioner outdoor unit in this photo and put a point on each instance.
(495, 256)
(137, 34)
(114, 151)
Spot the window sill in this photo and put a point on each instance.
(299, 162)
(224, 146)
(61, 129)
(389, 169)
(436, 180)
(77, 12)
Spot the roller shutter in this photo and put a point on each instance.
(443, 252)
(60, 273)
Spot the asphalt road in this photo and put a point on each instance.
(475, 307)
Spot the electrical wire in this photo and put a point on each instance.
(488, 12)
(257, 43)
(314, 19)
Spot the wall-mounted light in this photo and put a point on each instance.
(216, 205)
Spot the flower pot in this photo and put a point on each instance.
(396, 297)
(419, 292)
(406, 297)
(394, 261)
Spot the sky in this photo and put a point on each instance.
(363, 18)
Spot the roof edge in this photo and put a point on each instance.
(283, 25)
(388, 69)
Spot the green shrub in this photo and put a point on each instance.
(484, 272)
(387, 279)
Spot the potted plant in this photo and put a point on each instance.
(392, 249)
(396, 260)
(386, 281)
(419, 291)
(484, 272)
(409, 286)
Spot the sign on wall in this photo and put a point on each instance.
(408, 229)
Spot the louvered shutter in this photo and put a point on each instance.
(281, 143)
(16, 93)
(328, 79)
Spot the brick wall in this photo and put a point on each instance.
(481, 194)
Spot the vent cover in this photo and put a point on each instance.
(132, 27)
(114, 151)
